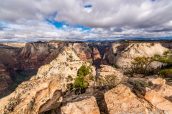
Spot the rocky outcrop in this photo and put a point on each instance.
(14, 44)
(114, 51)
(96, 56)
(161, 88)
(32, 97)
(159, 101)
(83, 51)
(65, 65)
(122, 100)
(160, 95)
(43, 91)
(109, 75)
(86, 106)
(33, 55)
(58, 64)
(122, 54)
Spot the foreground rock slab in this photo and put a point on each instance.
(121, 100)
(160, 95)
(159, 102)
(33, 97)
(86, 106)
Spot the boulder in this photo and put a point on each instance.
(161, 87)
(159, 101)
(86, 106)
(110, 74)
(160, 95)
(121, 100)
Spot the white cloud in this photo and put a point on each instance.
(119, 13)
(26, 19)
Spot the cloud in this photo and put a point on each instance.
(120, 13)
(27, 19)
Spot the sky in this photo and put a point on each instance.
(34, 20)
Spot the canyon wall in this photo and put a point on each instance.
(47, 90)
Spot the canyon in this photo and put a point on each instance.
(35, 78)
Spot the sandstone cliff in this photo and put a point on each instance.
(57, 63)
(122, 54)
(44, 91)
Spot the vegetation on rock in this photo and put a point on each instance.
(108, 81)
(83, 70)
(164, 59)
(139, 86)
(141, 65)
(80, 83)
(12, 103)
(166, 71)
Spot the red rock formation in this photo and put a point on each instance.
(82, 50)
(33, 55)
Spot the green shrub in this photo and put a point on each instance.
(140, 65)
(83, 70)
(80, 83)
(156, 57)
(139, 86)
(165, 59)
(165, 72)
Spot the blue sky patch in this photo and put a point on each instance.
(88, 6)
(2, 25)
(85, 28)
(60, 25)
(56, 23)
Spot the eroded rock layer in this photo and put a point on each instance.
(57, 63)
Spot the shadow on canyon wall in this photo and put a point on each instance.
(18, 77)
